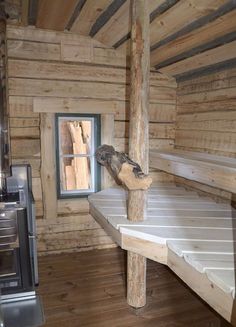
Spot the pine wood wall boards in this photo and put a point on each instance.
(53, 72)
(206, 118)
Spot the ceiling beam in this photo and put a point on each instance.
(75, 14)
(180, 15)
(177, 17)
(216, 68)
(88, 15)
(218, 28)
(214, 56)
(123, 43)
(193, 25)
(199, 49)
(118, 25)
(106, 15)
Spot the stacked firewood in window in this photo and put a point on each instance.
(75, 140)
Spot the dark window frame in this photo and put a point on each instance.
(97, 142)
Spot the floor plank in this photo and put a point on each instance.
(88, 289)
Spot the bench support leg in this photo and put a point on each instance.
(138, 138)
(136, 280)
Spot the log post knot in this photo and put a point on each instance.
(125, 171)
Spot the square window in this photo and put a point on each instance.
(77, 137)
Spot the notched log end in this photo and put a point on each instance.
(125, 171)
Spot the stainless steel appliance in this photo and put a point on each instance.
(18, 252)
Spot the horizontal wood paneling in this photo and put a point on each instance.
(67, 224)
(25, 132)
(205, 169)
(79, 72)
(25, 148)
(77, 89)
(158, 112)
(33, 50)
(53, 72)
(206, 116)
(73, 105)
(162, 131)
(21, 107)
(72, 206)
(31, 33)
(212, 140)
(62, 241)
(121, 144)
(24, 122)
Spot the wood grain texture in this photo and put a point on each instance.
(206, 116)
(107, 137)
(221, 26)
(139, 100)
(79, 282)
(48, 165)
(119, 24)
(136, 279)
(54, 15)
(30, 33)
(162, 131)
(179, 16)
(174, 19)
(197, 231)
(79, 89)
(71, 105)
(48, 74)
(188, 165)
(33, 50)
(204, 107)
(88, 15)
(79, 72)
(24, 12)
(138, 141)
(216, 55)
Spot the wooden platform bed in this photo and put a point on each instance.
(193, 235)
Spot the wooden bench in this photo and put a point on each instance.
(216, 171)
(191, 234)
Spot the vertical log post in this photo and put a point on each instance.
(138, 140)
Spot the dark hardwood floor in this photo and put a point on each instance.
(88, 289)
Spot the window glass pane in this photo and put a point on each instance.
(75, 173)
(75, 136)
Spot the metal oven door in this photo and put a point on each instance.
(8, 263)
(9, 251)
(10, 277)
(8, 229)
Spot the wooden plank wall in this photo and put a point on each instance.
(206, 117)
(49, 65)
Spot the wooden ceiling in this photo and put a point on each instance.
(187, 36)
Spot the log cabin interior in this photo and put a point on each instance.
(155, 79)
